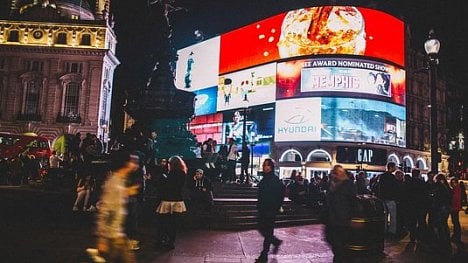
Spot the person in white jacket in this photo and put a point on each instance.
(112, 241)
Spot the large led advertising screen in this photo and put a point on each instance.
(197, 65)
(346, 77)
(298, 120)
(340, 30)
(340, 119)
(246, 88)
(259, 124)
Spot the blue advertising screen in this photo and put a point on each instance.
(340, 119)
(205, 101)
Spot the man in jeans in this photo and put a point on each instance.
(389, 191)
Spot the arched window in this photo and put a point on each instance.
(291, 155)
(31, 102)
(72, 97)
(319, 155)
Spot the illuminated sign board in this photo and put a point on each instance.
(246, 88)
(298, 120)
(364, 155)
(338, 30)
(330, 76)
(340, 119)
(198, 65)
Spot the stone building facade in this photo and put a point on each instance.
(57, 60)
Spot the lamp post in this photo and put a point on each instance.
(432, 46)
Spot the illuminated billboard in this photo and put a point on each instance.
(198, 65)
(205, 101)
(341, 77)
(246, 88)
(259, 124)
(298, 120)
(338, 30)
(340, 119)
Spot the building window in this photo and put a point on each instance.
(75, 17)
(73, 67)
(72, 95)
(105, 98)
(62, 38)
(32, 97)
(13, 36)
(86, 40)
(35, 66)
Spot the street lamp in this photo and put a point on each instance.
(432, 46)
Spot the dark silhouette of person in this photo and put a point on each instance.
(341, 202)
(270, 198)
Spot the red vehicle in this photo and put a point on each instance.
(12, 145)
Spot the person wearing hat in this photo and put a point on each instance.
(201, 192)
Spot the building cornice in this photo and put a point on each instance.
(54, 50)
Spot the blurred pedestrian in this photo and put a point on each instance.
(172, 204)
(341, 201)
(270, 198)
(112, 241)
(456, 206)
(245, 161)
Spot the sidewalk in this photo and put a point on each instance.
(301, 244)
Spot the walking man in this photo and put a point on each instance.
(112, 242)
(270, 199)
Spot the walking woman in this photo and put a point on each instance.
(172, 204)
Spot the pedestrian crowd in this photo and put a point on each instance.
(413, 207)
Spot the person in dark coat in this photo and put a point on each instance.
(415, 193)
(441, 206)
(389, 192)
(172, 203)
(201, 192)
(270, 198)
(341, 202)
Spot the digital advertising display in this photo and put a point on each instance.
(259, 124)
(340, 119)
(205, 101)
(246, 88)
(298, 120)
(337, 30)
(197, 65)
(362, 120)
(342, 77)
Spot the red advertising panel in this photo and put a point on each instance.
(315, 30)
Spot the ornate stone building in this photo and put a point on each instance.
(57, 61)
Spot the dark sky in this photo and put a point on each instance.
(215, 17)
